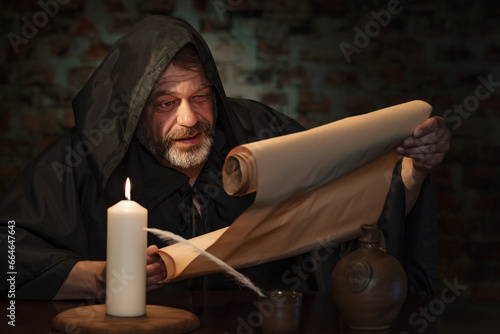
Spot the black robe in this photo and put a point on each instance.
(59, 202)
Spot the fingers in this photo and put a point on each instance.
(151, 250)
(428, 145)
(430, 125)
(436, 136)
(427, 156)
(151, 255)
(427, 135)
(432, 136)
(440, 147)
(156, 275)
(156, 271)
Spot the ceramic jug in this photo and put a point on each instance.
(369, 286)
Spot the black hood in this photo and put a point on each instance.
(108, 107)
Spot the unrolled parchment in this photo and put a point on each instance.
(314, 186)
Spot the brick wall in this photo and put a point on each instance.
(317, 61)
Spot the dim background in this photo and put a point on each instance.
(287, 54)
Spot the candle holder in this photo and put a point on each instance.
(126, 310)
(92, 319)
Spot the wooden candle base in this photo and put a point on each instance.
(94, 320)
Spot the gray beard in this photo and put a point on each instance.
(181, 157)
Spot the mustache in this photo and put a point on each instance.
(199, 127)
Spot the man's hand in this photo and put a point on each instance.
(156, 271)
(87, 279)
(425, 149)
(428, 145)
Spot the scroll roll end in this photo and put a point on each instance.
(239, 174)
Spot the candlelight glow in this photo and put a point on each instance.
(127, 189)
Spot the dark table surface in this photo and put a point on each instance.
(236, 312)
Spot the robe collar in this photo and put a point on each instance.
(152, 182)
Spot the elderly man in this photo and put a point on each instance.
(155, 111)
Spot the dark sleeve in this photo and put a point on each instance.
(413, 239)
(42, 207)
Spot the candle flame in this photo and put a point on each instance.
(127, 189)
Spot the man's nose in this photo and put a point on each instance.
(186, 115)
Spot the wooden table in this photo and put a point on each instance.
(235, 312)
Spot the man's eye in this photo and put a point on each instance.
(200, 98)
(164, 106)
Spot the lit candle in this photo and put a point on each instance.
(126, 258)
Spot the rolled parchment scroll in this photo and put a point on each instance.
(312, 187)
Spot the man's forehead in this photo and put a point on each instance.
(175, 78)
(175, 73)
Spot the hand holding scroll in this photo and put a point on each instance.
(155, 269)
(425, 149)
(428, 145)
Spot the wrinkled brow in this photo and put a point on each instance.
(166, 92)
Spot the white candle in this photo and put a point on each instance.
(126, 258)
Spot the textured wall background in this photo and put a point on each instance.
(317, 61)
